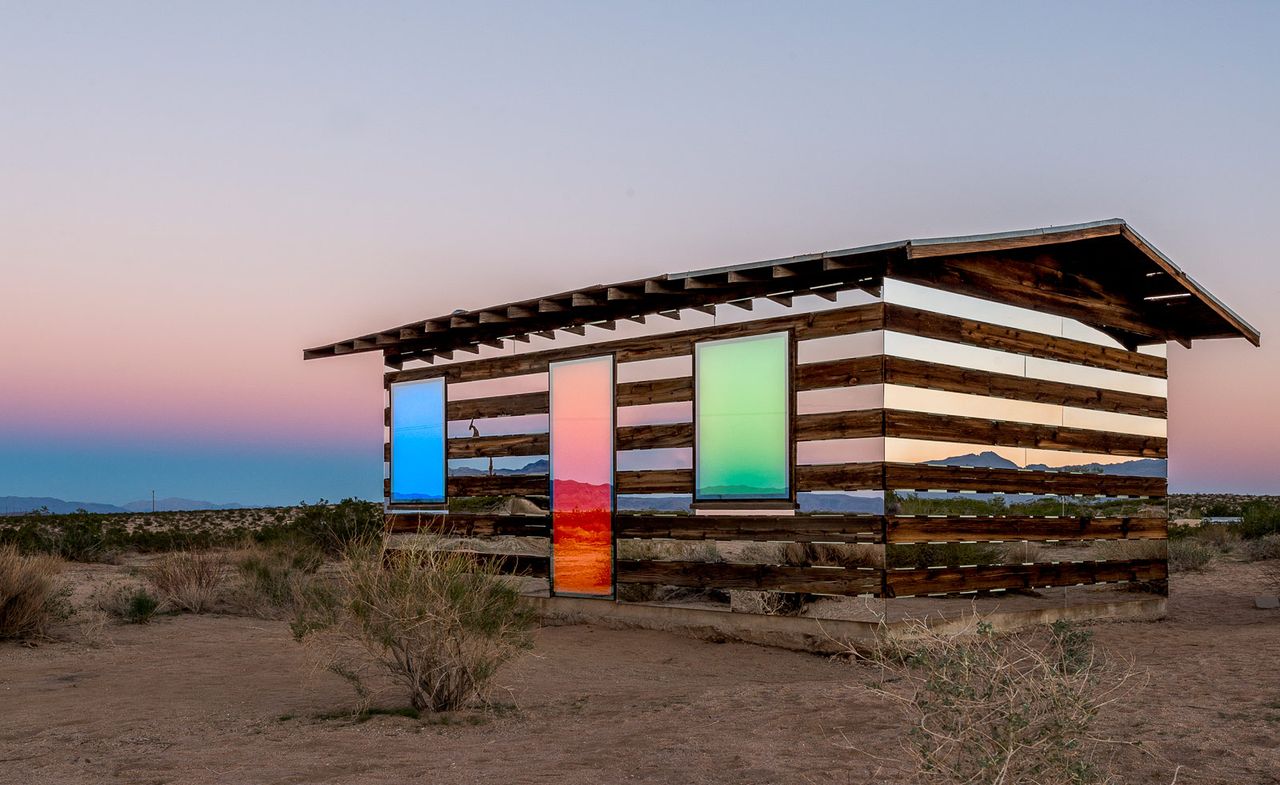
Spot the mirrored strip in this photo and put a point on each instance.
(840, 399)
(900, 502)
(417, 442)
(499, 426)
(840, 347)
(582, 476)
(849, 502)
(839, 451)
(498, 467)
(656, 458)
(655, 413)
(660, 368)
(968, 307)
(921, 399)
(983, 456)
(982, 359)
(506, 385)
(655, 502)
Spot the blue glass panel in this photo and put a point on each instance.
(417, 442)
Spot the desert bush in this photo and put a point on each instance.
(1011, 709)
(31, 598)
(272, 575)
(333, 528)
(1259, 519)
(439, 622)
(768, 603)
(1189, 555)
(669, 550)
(188, 580)
(130, 603)
(1261, 549)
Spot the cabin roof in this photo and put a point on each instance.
(1103, 273)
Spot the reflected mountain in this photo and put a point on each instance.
(1140, 467)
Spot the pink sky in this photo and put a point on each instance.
(188, 197)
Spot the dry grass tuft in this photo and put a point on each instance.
(1002, 709)
(189, 581)
(439, 622)
(31, 598)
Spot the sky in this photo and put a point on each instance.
(192, 193)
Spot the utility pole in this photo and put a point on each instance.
(153, 500)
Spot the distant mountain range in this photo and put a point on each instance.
(1140, 467)
(540, 466)
(17, 505)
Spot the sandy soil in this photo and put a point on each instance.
(223, 699)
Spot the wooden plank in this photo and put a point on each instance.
(762, 577)
(840, 477)
(654, 481)
(763, 528)
(928, 324)
(500, 485)
(838, 373)
(921, 477)
(950, 580)
(498, 406)
(500, 446)
(974, 430)
(656, 391)
(469, 524)
(922, 528)
(923, 249)
(952, 378)
(647, 437)
(820, 324)
(861, 423)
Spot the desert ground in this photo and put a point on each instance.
(232, 699)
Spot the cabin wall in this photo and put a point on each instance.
(940, 445)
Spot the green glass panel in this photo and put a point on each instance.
(742, 411)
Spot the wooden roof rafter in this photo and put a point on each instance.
(1102, 273)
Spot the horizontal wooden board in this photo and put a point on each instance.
(769, 528)
(648, 437)
(973, 430)
(950, 580)
(857, 424)
(922, 528)
(935, 376)
(921, 477)
(763, 577)
(526, 444)
(820, 324)
(655, 391)
(927, 324)
(498, 406)
(850, 372)
(470, 524)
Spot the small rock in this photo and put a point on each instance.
(1266, 603)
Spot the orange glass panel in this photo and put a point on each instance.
(582, 477)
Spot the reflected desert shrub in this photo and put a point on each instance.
(951, 554)
(189, 581)
(767, 603)
(439, 622)
(669, 550)
(31, 598)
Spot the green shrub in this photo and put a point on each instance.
(333, 528)
(130, 603)
(440, 622)
(31, 598)
(272, 574)
(1260, 519)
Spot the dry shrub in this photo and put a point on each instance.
(189, 581)
(1188, 555)
(1002, 709)
(272, 575)
(1262, 549)
(31, 598)
(767, 603)
(128, 602)
(439, 622)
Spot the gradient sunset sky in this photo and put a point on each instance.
(190, 194)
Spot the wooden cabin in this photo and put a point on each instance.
(979, 417)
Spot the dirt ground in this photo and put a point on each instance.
(226, 699)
